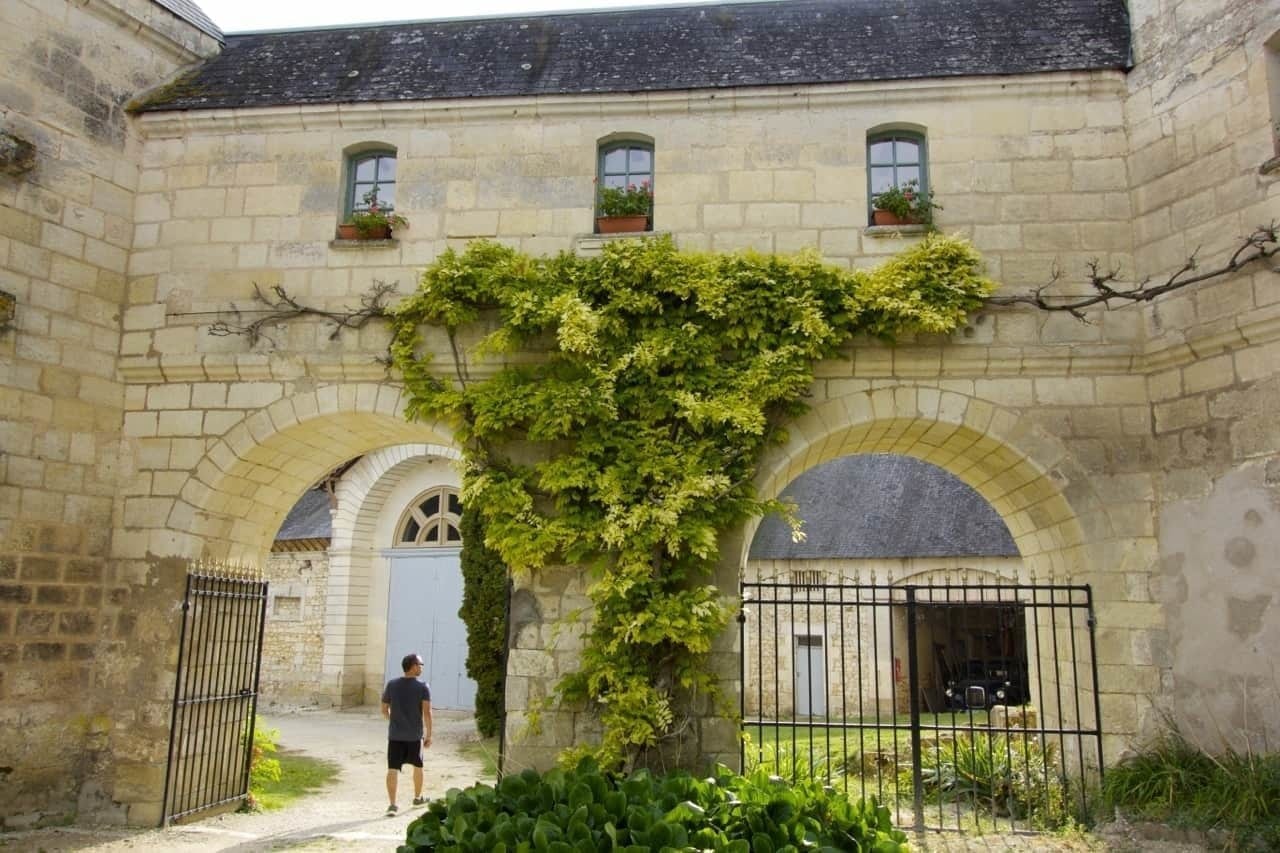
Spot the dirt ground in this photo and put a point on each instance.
(349, 815)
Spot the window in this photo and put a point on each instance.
(371, 174)
(894, 159)
(625, 163)
(431, 520)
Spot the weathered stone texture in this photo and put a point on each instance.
(1201, 107)
(1128, 452)
(66, 227)
(294, 634)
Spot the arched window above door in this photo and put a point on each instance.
(431, 521)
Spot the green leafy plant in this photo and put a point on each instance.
(1015, 776)
(586, 810)
(631, 200)
(375, 216)
(907, 202)
(1173, 780)
(264, 767)
(630, 444)
(484, 612)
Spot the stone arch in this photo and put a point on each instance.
(241, 489)
(361, 496)
(1027, 475)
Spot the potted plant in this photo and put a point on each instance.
(904, 205)
(623, 209)
(374, 221)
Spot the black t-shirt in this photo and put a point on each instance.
(405, 696)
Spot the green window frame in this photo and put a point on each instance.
(895, 157)
(371, 171)
(623, 163)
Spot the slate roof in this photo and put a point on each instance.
(194, 15)
(309, 518)
(657, 48)
(882, 505)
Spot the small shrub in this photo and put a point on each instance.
(587, 810)
(1172, 780)
(264, 768)
(1008, 776)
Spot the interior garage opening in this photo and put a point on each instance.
(971, 656)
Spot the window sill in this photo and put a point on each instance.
(593, 243)
(882, 231)
(347, 245)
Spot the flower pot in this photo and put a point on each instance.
(887, 217)
(347, 231)
(621, 224)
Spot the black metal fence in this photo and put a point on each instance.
(968, 706)
(216, 694)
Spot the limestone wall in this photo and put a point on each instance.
(67, 71)
(294, 635)
(1201, 109)
(1136, 452)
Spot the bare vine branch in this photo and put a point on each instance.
(1258, 246)
(282, 307)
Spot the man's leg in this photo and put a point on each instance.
(392, 777)
(417, 783)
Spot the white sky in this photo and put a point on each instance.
(233, 16)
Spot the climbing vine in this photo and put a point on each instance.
(630, 444)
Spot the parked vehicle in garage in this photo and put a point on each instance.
(984, 683)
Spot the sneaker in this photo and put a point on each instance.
(419, 801)
(391, 809)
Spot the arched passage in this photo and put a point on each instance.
(1025, 474)
(248, 479)
(357, 591)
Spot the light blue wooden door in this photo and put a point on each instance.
(422, 616)
(811, 676)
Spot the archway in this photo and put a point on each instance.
(234, 501)
(373, 491)
(963, 664)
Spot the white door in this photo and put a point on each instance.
(425, 593)
(811, 676)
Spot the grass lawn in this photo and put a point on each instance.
(484, 751)
(299, 775)
(818, 740)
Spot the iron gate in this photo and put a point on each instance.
(216, 693)
(968, 706)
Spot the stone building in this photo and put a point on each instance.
(154, 171)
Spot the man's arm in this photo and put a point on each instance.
(386, 710)
(426, 721)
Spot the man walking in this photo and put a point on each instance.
(406, 704)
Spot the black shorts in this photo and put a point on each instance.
(402, 752)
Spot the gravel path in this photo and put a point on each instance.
(348, 815)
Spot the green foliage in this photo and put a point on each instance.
(631, 200)
(1005, 775)
(586, 810)
(299, 776)
(1173, 780)
(631, 444)
(907, 203)
(375, 216)
(484, 612)
(264, 768)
